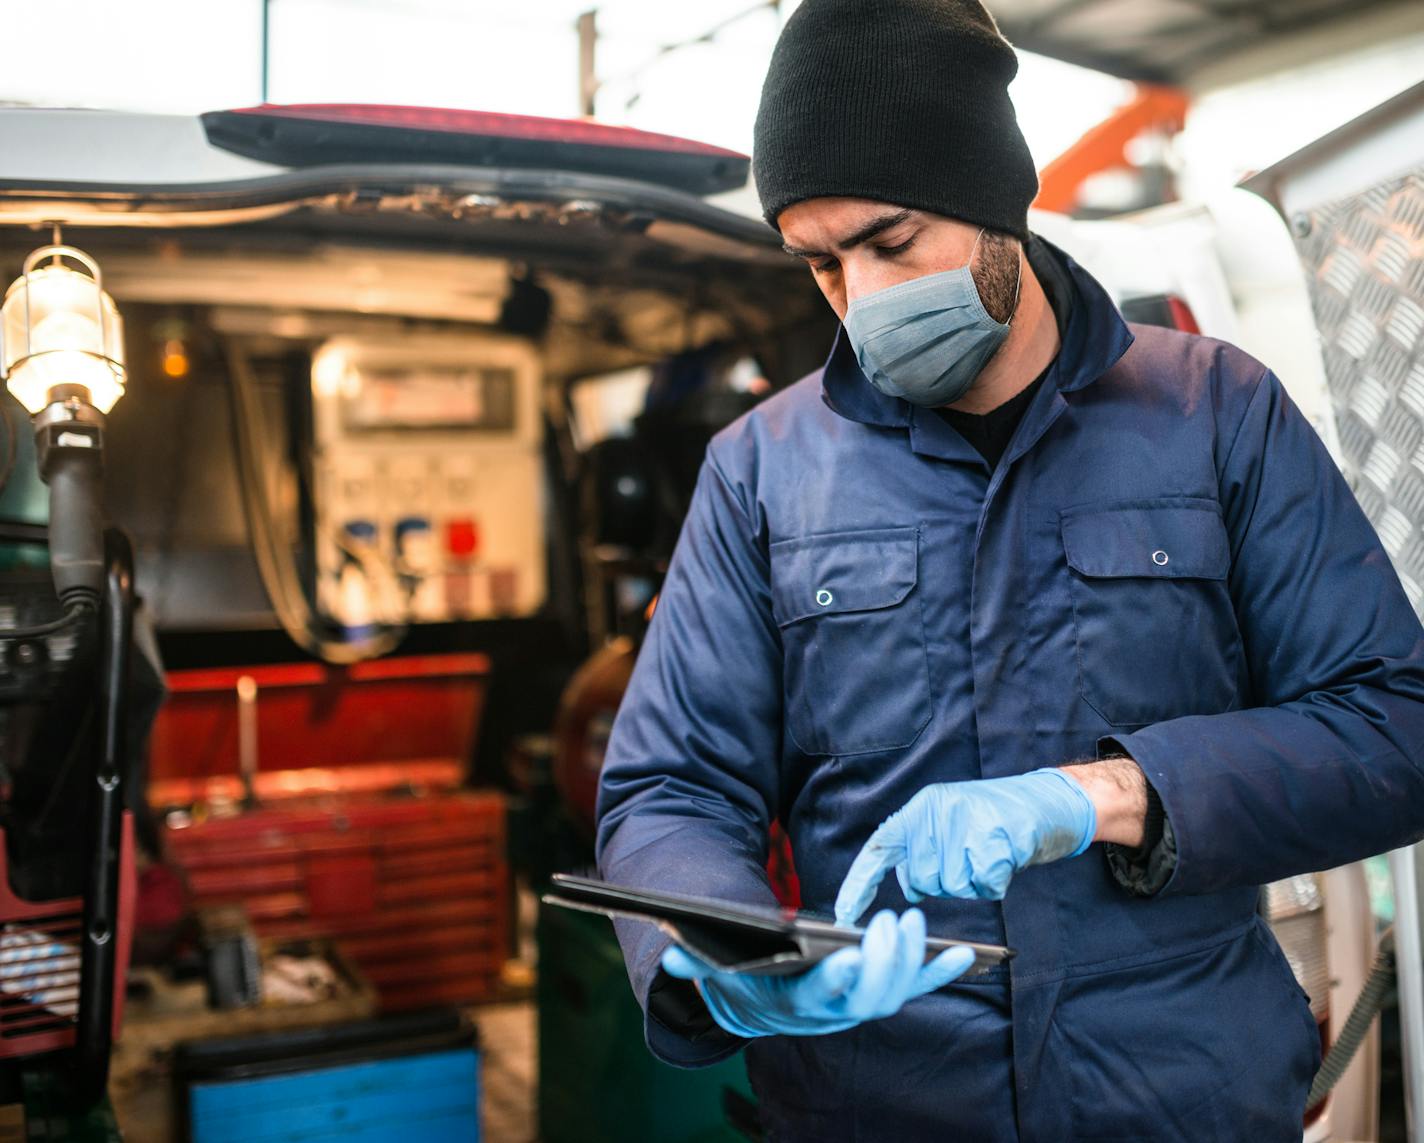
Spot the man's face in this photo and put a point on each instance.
(855, 246)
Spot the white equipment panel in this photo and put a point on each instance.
(428, 479)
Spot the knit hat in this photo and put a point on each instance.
(902, 101)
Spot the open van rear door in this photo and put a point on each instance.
(1354, 201)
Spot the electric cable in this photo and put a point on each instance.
(80, 610)
(275, 564)
(706, 37)
(382, 577)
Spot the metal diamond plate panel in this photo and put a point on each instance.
(1365, 259)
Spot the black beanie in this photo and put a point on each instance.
(902, 101)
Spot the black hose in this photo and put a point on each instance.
(98, 953)
(1378, 986)
(76, 524)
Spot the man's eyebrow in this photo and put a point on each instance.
(877, 225)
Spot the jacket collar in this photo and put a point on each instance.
(1095, 338)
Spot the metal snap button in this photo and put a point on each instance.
(824, 597)
(1159, 557)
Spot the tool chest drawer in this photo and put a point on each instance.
(414, 889)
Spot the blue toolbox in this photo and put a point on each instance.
(401, 1078)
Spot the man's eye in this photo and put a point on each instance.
(898, 248)
(825, 267)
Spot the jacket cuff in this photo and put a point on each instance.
(679, 855)
(679, 1029)
(1146, 869)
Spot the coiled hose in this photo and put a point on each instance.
(274, 559)
(1378, 985)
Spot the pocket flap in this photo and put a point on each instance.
(1166, 542)
(843, 571)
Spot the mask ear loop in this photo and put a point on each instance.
(973, 250)
(1018, 285)
(1018, 282)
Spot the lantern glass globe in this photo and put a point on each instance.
(58, 328)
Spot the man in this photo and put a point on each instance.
(1072, 625)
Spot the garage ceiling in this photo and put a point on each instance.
(1201, 43)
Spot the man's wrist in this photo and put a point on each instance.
(1118, 790)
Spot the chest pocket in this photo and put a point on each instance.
(1156, 633)
(856, 670)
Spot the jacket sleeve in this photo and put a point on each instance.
(1325, 767)
(689, 783)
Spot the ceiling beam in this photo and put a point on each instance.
(1248, 30)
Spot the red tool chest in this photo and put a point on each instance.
(412, 890)
(358, 831)
(416, 707)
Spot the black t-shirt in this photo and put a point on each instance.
(989, 433)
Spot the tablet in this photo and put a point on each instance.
(733, 937)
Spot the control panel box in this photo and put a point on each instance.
(428, 497)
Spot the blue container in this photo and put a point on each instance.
(404, 1079)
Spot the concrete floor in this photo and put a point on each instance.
(509, 1072)
(509, 1060)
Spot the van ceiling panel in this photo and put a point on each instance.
(437, 286)
(1182, 42)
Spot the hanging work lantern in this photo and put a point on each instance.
(61, 337)
(62, 356)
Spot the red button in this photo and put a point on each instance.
(462, 537)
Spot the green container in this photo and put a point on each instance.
(23, 497)
(597, 1079)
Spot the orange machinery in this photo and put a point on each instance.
(1104, 147)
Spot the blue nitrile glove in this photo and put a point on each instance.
(849, 987)
(966, 839)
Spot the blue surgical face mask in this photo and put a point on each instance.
(926, 340)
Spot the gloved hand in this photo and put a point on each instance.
(849, 987)
(966, 839)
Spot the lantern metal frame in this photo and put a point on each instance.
(58, 251)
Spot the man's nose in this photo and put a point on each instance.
(861, 276)
(860, 280)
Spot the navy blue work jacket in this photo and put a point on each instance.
(1165, 559)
